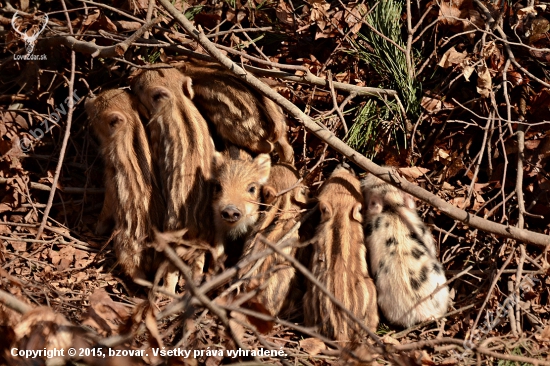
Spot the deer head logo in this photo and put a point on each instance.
(29, 40)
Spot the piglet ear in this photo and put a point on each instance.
(188, 88)
(301, 195)
(217, 159)
(263, 167)
(269, 194)
(357, 212)
(89, 105)
(375, 205)
(408, 200)
(326, 211)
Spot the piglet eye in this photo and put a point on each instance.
(217, 187)
(252, 189)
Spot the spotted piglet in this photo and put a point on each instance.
(403, 257)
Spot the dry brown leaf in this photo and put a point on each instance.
(475, 22)
(521, 13)
(515, 78)
(14, 118)
(413, 172)
(284, 13)
(63, 258)
(467, 71)
(545, 334)
(452, 57)
(213, 361)
(317, 16)
(484, 81)
(489, 49)
(458, 201)
(236, 327)
(80, 276)
(389, 340)
(319, 4)
(449, 361)
(152, 327)
(124, 25)
(441, 155)
(104, 314)
(41, 328)
(353, 18)
(82, 258)
(19, 246)
(106, 24)
(453, 13)
(448, 187)
(423, 358)
(540, 106)
(91, 18)
(312, 346)
(434, 105)
(263, 326)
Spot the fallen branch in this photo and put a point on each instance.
(95, 51)
(14, 303)
(325, 135)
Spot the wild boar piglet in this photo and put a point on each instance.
(182, 149)
(402, 255)
(240, 114)
(132, 197)
(284, 198)
(238, 179)
(339, 261)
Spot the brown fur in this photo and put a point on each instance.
(182, 147)
(132, 196)
(275, 275)
(183, 151)
(237, 182)
(241, 115)
(339, 261)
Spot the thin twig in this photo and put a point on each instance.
(335, 102)
(410, 33)
(149, 16)
(519, 275)
(65, 138)
(484, 144)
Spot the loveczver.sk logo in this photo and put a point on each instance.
(30, 40)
